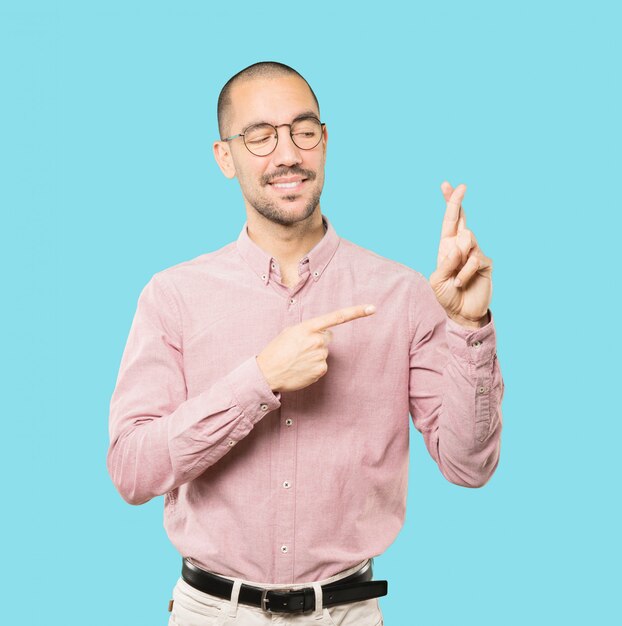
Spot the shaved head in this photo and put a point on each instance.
(264, 69)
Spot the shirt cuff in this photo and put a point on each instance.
(252, 391)
(475, 345)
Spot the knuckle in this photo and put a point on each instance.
(320, 370)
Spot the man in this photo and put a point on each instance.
(262, 396)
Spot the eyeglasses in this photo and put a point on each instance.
(262, 139)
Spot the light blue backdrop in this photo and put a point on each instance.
(108, 114)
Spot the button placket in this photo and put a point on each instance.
(285, 467)
(482, 408)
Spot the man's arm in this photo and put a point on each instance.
(456, 389)
(159, 438)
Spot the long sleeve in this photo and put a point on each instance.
(456, 390)
(159, 438)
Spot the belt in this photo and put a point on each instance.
(353, 588)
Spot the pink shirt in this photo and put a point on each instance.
(295, 486)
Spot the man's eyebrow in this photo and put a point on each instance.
(305, 115)
(300, 116)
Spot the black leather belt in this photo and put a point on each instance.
(353, 588)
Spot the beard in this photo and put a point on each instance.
(270, 208)
(271, 211)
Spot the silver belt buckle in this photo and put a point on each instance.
(265, 600)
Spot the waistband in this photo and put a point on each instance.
(323, 581)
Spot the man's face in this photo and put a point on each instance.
(276, 101)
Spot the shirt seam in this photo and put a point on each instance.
(411, 338)
(172, 304)
(411, 325)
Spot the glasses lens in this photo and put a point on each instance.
(307, 133)
(260, 139)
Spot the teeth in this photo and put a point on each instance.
(286, 185)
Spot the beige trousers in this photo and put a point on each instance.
(191, 607)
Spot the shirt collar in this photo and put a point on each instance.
(317, 258)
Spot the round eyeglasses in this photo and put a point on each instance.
(262, 139)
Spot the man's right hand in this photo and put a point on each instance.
(296, 357)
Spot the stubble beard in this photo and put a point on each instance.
(271, 210)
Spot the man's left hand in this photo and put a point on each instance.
(459, 257)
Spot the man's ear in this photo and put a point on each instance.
(222, 154)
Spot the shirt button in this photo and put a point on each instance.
(289, 421)
(482, 389)
(287, 484)
(292, 300)
(476, 344)
(264, 407)
(316, 273)
(231, 442)
(283, 549)
(263, 276)
(274, 266)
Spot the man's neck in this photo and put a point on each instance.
(287, 244)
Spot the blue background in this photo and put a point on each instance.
(107, 176)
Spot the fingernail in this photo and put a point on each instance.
(457, 282)
(370, 308)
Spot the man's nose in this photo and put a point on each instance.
(286, 151)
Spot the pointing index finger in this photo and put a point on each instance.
(340, 316)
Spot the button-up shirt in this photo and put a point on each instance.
(290, 487)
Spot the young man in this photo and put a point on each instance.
(265, 387)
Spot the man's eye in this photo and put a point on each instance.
(259, 140)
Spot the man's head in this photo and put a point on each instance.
(275, 94)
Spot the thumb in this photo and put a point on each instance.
(449, 264)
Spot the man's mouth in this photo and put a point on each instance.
(289, 183)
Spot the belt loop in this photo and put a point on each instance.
(318, 613)
(235, 594)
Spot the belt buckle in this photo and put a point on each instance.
(265, 600)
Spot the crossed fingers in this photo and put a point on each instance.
(457, 239)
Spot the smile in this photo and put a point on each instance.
(288, 185)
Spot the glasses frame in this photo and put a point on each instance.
(276, 132)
